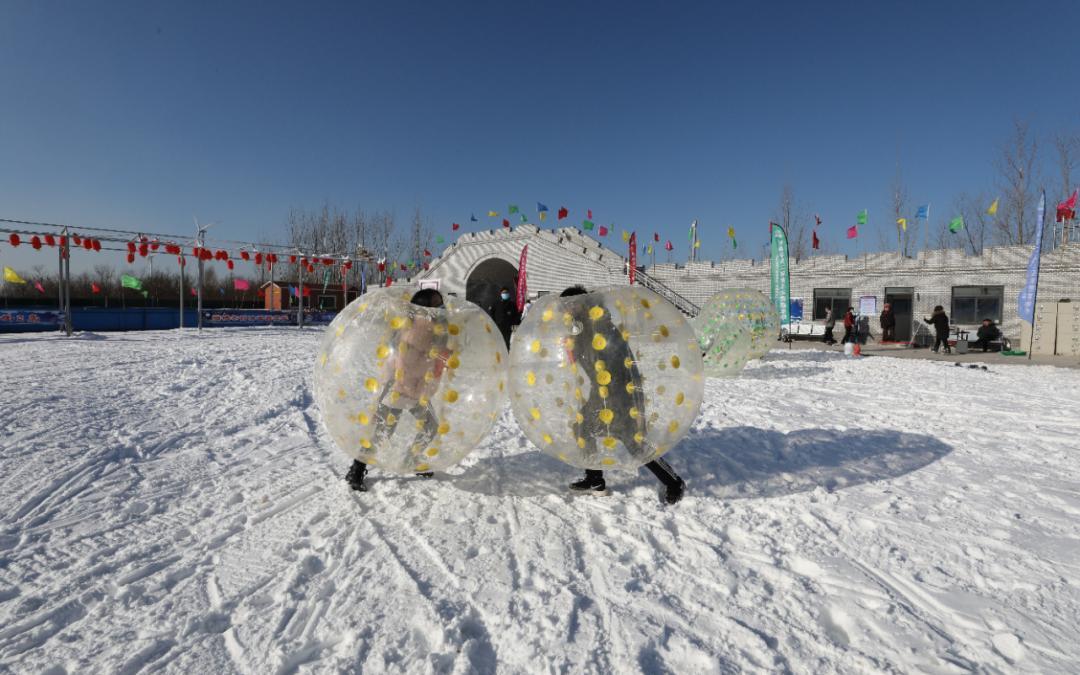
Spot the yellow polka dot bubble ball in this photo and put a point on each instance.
(753, 309)
(609, 379)
(409, 388)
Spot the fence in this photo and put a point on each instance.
(99, 319)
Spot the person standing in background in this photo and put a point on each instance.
(888, 324)
(940, 321)
(830, 324)
(849, 326)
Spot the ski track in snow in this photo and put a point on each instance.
(170, 503)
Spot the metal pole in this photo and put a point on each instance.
(198, 293)
(60, 273)
(182, 289)
(300, 314)
(67, 287)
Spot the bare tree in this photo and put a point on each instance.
(908, 233)
(105, 277)
(978, 223)
(789, 216)
(1068, 156)
(1016, 165)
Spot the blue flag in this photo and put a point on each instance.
(292, 289)
(540, 208)
(472, 218)
(923, 212)
(1025, 303)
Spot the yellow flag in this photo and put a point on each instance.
(543, 214)
(697, 244)
(493, 214)
(993, 208)
(625, 236)
(731, 232)
(902, 222)
(11, 277)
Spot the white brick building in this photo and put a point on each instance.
(968, 287)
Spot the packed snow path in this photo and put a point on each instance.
(170, 502)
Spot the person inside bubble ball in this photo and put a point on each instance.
(617, 388)
(422, 351)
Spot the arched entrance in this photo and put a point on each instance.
(483, 286)
(486, 279)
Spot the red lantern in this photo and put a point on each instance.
(76, 239)
(63, 241)
(154, 245)
(97, 245)
(303, 262)
(348, 264)
(195, 251)
(273, 258)
(229, 263)
(328, 261)
(244, 255)
(88, 244)
(14, 239)
(292, 259)
(35, 241)
(131, 258)
(310, 268)
(131, 247)
(50, 240)
(143, 250)
(258, 258)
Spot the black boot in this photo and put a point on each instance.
(675, 492)
(593, 482)
(355, 477)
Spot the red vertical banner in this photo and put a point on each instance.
(633, 258)
(522, 285)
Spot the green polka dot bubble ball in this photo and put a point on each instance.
(744, 306)
(609, 379)
(408, 388)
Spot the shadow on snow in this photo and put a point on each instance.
(731, 463)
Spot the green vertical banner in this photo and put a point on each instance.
(780, 277)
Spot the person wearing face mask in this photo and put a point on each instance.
(505, 314)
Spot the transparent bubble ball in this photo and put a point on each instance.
(725, 343)
(407, 388)
(752, 308)
(610, 379)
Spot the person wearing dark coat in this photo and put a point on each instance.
(988, 332)
(888, 324)
(849, 326)
(505, 314)
(940, 321)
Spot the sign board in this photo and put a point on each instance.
(216, 318)
(867, 305)
(12, 320)
(433, 284)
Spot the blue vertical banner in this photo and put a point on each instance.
(1025, 303)
(779, 277)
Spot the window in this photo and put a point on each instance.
(836, 299)
(327, 302)
(972, 304)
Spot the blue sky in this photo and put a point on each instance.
(145, 114)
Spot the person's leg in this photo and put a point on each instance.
(427, 430)
(355, 477)
(671, 480)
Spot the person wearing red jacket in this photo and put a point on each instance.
(849, 326)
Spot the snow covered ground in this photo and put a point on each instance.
(170, 502)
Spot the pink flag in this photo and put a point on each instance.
(37, 285)
(853, 232)
(241, 284)
(522, 285)
(633, 258)
(193, 291)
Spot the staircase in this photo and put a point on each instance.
(682, 304)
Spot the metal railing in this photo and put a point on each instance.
(656, 286)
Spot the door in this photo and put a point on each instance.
(902, 301)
